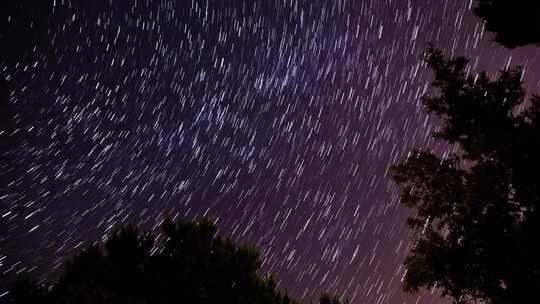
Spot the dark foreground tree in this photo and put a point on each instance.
(191, 265)
(515, 23)
(476, 213)
(329, 298)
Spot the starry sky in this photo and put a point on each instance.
(278, 119)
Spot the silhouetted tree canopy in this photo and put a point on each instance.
(190, 264)
(476, 212)
(515, 23)
(329, 298)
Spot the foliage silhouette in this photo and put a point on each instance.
(515, 23)
(189, 264)
(328, 298)
(476, 212)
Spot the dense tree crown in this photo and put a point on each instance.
(190, 265)
(476, 212)
(328, 298)
(515, 23)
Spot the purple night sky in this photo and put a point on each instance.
(278, 119)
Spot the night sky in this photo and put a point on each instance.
(278, 119)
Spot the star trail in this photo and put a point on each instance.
(278, 119)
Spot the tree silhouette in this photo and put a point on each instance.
(515, 23)
(328, 298)
(476, 212)
(190, 264)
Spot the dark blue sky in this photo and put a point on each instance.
(278, 119)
